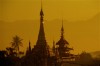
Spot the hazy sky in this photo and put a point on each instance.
(71, 10)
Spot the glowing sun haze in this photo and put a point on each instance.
(81, 22)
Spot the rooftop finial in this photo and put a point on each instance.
(29, 45)
(41, 4)
(54, 48)
(62, 23)
(62, 29)
(41, 13)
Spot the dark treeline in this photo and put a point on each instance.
(12, 56)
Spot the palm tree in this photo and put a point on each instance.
(16, 43)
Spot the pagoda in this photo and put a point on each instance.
(41, 49)
(63, 46)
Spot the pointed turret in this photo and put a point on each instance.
(41, 36)
(62, 40)
(41, 15)
(29, 46)
(62, 31)
(41, 12)
(63, 48)
(41, 49)
(28, 51)
(53, 48)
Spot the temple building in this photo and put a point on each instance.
(40, 55)
(63, 47)
(41, 49)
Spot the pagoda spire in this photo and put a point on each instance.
(28, 51)
(63, 47)
(41, 13)
(41, 49)
(41, 35)
(62, 40)
(29, 46)
(62, 30)
(53, 48)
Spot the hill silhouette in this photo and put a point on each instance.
(78, 33)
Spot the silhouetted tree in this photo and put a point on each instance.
(3, 54)
(16, 43)
(11, 51)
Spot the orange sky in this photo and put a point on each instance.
(81, 22)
